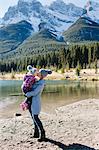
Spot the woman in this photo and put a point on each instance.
(35, 106)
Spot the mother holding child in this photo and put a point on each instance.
(32, 89)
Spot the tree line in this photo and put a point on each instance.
(86, 55)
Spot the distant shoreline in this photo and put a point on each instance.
(85, 74)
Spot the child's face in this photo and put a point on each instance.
(36, 73)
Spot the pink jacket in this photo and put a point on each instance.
(29, 80)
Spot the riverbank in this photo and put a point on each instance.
(85, 74)
(72, 127)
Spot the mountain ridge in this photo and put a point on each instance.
(34, 12)
(46, 24)
(13, 35)
(58, 15)
(82, 30)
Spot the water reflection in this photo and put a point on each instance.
(56, 93)
(70, 89)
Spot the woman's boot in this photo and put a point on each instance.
(43, 137)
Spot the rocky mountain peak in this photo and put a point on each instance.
(91, 5)
(91, 10)
(68, 9)
(58, 16)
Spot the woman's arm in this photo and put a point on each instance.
(39, 88)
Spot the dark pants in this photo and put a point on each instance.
(37, 124)
(29, 102)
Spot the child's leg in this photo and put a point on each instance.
(29, 103)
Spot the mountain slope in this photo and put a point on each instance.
(83, 30)
(41, 42)
(13, 35)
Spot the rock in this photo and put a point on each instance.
(18, 114)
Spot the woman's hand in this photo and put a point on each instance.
(27, 94)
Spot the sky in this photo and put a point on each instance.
(4, 4)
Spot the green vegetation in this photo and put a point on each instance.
(13, 35)
(19, 48)
(78, 68)
(82, 30)
(41, 42)
(63, 58)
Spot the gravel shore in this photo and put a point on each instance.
(72, 127)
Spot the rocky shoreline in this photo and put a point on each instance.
(72, 127)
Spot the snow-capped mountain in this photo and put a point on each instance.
(67, 9)
(92, 10)
(56, 17)
(0, 21)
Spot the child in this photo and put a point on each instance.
(29, 80)
(36, 104)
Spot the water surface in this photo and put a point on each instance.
(56, 94)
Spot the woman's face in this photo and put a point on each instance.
(40, 75)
